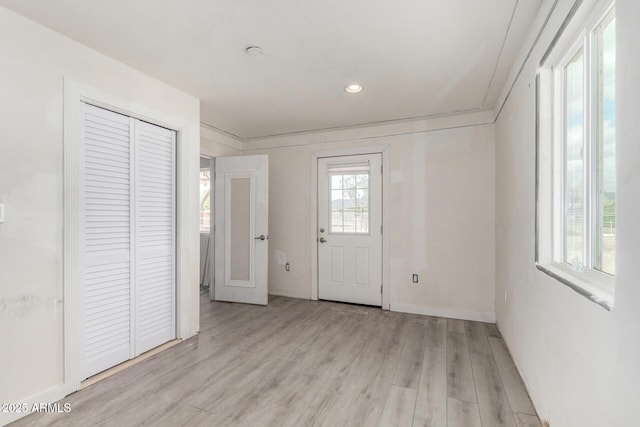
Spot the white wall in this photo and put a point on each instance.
(441, 206)
(214, 143)
(579, 361)
(33, 63)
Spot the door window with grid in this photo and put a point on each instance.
(349, 204)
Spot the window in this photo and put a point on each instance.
(349, 204)
(577, 82)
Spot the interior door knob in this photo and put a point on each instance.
(261, 237)
(323, 240)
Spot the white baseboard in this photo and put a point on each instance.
(50, 395)
(450, 313)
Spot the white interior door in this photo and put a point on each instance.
(350, 229)
(241, 229)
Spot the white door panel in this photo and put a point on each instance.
(241, 229)
(155, 236)
(105, 239)
(350, 229)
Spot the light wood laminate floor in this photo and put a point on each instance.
(309, 363)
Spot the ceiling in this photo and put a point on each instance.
(415, 58)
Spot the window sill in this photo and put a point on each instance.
(587, 287)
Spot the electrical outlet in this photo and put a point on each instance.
(415, 278)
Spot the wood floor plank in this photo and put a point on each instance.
(492, 398)
(493, 331)
(477, 337)
(462, 414)
(242, 390)
(325, 367)
(455, 325)
(460, 383)
(335, 347)
(40, 420)
(277, 378)
(526, 420)
(180, 386)
(230, 332)
(240, 400)
(431, 402)
(363, 394)
(270, 338)
(276, 416)
(399, 408)
(513, 384)
(436, 332)
(410, 364)
(352, 391)
(247, 369)
(151, 410)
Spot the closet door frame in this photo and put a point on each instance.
(187, 162)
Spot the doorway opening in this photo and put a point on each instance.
(205, 222)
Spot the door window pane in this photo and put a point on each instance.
(240, 227)
(605, 40)
(349, 203)
(574, 162)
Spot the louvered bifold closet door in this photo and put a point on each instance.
(105, 239)
(155, 231)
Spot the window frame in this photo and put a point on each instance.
(580, 35)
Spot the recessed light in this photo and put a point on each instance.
(254, 51)
(353, 88)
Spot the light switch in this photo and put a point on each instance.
(1, 212)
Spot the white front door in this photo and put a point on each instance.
(350, 229)
(241, 229)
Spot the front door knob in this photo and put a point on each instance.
(323, 240)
